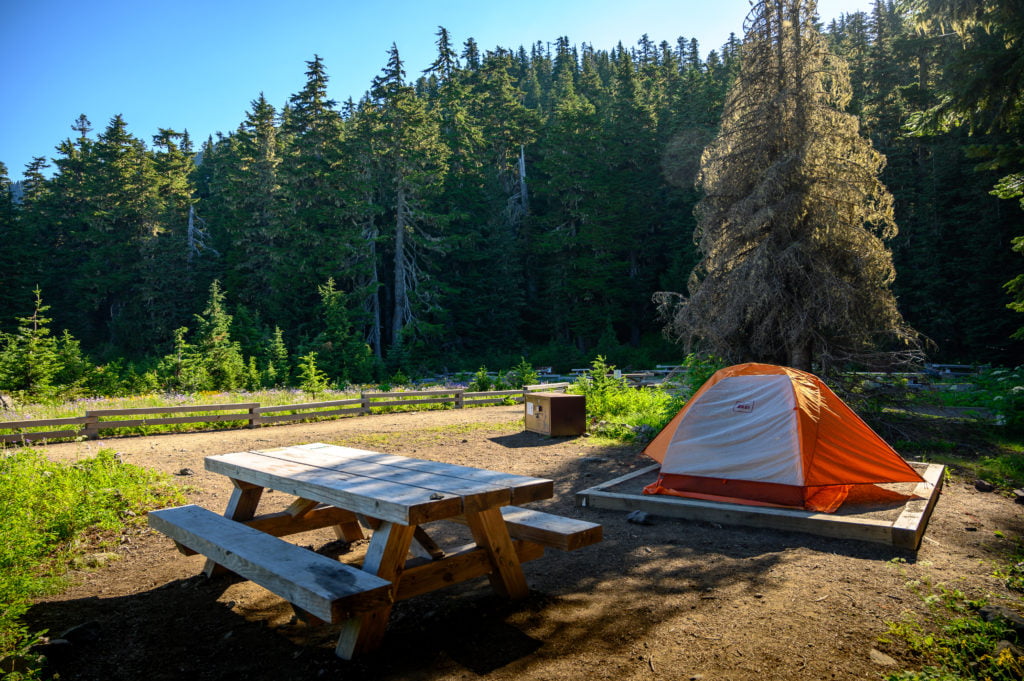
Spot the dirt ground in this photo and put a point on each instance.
(669, 600)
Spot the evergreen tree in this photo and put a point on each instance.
(794, 269)
(569, 157)
(951, 250)
(57, 217)
(344, 357)
(121, 217)
(487, 201)
(75, 369)
(183, 369)
(311, 379)
(29, 357)
(32, 234)
(416, 200)
(411, 162)
(447, 62)
(471, 54)
(13, 259)
(984, 92)
(322, 235)
(277, 373)
(169, 276)
(247, 201)
(619, 245)
(216, 352)
(365, 277)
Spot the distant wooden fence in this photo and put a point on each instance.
(252, 414)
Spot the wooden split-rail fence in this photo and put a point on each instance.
(251, 414)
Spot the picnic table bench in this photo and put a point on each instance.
(394, 496)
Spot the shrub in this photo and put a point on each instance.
(699, 368)
(481, 381)
(619, 411)
(312, 380)
(522, 374)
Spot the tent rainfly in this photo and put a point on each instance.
(773, 436)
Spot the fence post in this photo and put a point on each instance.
(365, 404)
(92, 423)
(254, 416)
(459, 400)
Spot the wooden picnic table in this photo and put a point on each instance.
(395, 497)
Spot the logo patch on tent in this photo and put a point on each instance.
(744, 407)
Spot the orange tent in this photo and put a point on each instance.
(769, 435)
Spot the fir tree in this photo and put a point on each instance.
(167, 283)
(343, 355)
(13, 258)
(411, 162)
(219, 355)
(183, 369)
(984, 93)
(488, 204)
(29, 358)
(277, 373)
(311, 379)
(122, 216)
(319, 194)
(568, 160)
(247, 201)
(794, 269)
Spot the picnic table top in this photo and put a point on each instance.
(395, 488)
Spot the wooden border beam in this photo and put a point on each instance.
(906, 532)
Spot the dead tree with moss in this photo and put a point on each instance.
(792, 223)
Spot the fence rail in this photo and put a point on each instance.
(306, 410)
(41, 423)
(253, 414)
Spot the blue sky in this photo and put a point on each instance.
(197, 64)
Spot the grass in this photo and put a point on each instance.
(952, 641)
(974, 451)
(50, 515)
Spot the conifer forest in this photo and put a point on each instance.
(504, 203)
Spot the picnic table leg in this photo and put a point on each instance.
(348, 530)
(301, 507)
(241, 506)
(491, 534)
(422, 545)
(385, 557)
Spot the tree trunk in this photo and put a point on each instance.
(373, 300)
(800, 356)
(399, 316)
(523, 199)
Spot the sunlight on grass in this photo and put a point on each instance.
(47, 512)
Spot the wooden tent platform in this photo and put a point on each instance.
(900, 523)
